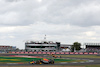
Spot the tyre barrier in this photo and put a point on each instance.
(71, 53)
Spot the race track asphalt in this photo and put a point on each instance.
(94, 61)
(91, 61)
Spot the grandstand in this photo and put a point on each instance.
(92, 47)
(6, 49)
(42, 46)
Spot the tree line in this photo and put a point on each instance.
(76, 46)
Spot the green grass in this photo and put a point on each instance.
(15, 59)
(7, 59)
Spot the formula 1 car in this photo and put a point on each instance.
(44, 61)
(55, 56)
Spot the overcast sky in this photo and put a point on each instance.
(66, 21)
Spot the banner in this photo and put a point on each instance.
(17, 52)
(95, 53)
(30, 52)
(52, 52)
(66, 52)
(62, 53)
(91, 53)
(26, 52)
(39, 52)
(57, 52)
(76, 53)
(81, 53)
(14, 52)
(48, 52)
(22, 52)
(44, 53)
(35, 52)
(71, 52)
(85, 53)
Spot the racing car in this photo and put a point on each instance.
(55, 56)
(43, 61)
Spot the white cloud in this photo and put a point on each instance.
(6, 29)
(11, 36)
(39, 0)
(66, 21)
(90, 33)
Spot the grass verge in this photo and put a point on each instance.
(7, 59)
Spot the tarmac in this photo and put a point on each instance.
(90, 61)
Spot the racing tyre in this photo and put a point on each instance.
(38, 62)
(52, 62)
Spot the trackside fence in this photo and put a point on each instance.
(61, 53)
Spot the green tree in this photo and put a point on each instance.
(76, 46)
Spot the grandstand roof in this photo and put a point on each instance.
(65, 45)
(91, 43)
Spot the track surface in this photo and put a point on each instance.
(92, 61)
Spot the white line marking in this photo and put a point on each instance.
(12, 63)
(74, 62)
(91, 61)
(82, 62)
(63, 62)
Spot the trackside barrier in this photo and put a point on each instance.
(18, 52)
(39, 52)
(76, 53)
(22, 52)
(71, 52)
(35, 53)
(48, 53)
(30, 52)
(26, 52)
(44, 53)
(85, 53)
(13, 52)
(67, 53)
(52, 52)
(81, 53)
(62, 53)
(91, 53)
(57, 52)
(95, 53)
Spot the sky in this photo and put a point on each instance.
(65, 21)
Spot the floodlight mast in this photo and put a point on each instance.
(45, 37)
